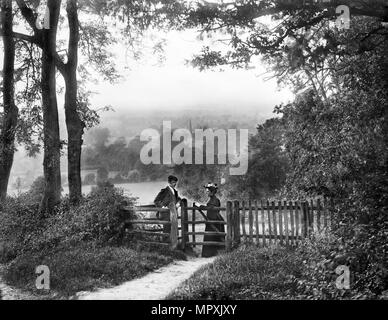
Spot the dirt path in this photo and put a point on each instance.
(154, 286)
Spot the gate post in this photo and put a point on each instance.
(184, 225)
(304, 219)
(174, 226)
(229, 225)
(236, 223)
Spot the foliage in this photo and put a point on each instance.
(37, 188)
(98, 218)
(335, 131)
(20, 225)
(266, 174)
(90, 178)
(134, 176)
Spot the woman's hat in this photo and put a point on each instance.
(211, 186)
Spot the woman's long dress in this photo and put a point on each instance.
(209, 250)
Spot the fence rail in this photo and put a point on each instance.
(261, 222)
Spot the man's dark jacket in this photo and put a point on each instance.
(165, 197)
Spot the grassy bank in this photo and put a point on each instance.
(247, 273)
(307, 272)
(85, 267)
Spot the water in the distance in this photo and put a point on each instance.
(145, 191)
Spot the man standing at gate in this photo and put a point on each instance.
(165, 197)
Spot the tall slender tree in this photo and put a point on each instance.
(52, 142)
(74, 124)
(10, 112)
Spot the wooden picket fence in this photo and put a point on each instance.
(276, 222)
(262, 223)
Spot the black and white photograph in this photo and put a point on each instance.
(193, 154)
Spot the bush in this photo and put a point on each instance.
(90, 178)
(134, 176)
(21, 225)
(97, 218)
(37, 189)
(102, 174)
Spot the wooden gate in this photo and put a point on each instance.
(260, 222)
(151, 229)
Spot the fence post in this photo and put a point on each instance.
(292, 221)
(286, 222)
(269, 223)
(319, 214)
(242, 217)
(325, 213)
(174, 226)
(184, 225)
(331, 213)
(229, 225)
(257, 223)
(304, 219)
(262, 221)
(311, 217)
(297, 221)
(280, 222)
(236, 224)
(193, 225)
(250, 220)
(275, 231)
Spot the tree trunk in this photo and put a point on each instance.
(73, 122)
(10, 112)
(52, 143)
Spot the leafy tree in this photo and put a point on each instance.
(10, 113)
(268, 163)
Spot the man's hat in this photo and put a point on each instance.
(172, 178)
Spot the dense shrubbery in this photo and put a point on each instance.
(97, 218)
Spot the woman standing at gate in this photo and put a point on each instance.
(209, 250)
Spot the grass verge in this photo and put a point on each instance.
(246, 273)
(86, 267)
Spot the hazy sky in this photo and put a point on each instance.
(173, 85)
(147, 84)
